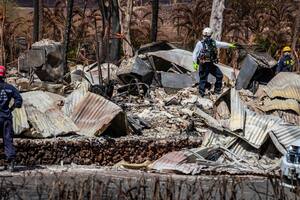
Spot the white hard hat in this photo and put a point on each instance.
(207, 31)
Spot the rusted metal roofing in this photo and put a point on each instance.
(252, 127)
(215, 139)
(93, 114)
(195, 161)
(257, 127)
(74, 98)
(286, 134)
(284, 84)
(176, 161)
(243, 149)
(288, 117)
(279, 104)
(43, 113)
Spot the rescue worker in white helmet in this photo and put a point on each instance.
(205, 55)
(286, 62)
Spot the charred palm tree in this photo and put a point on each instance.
(36, 14)
(279, 23)
(116, 29)
(154, 20)
(67, 33)
(126, 10)
(243, 19)
(190, 19)
(140, 26)
(3, 52)
(216, 18)
(41, 18)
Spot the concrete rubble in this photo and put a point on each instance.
(45, 59)
(155, 95)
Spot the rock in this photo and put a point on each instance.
(187, 112)
(191, 100)
(205, 103)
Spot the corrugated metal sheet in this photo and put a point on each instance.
(184, 59)
(257, 127)
(253, 128)
(242, 149)
(20, 121)
(237, 111)
(279, 104)
(286, 133)
(74, 98)
(180, 57)
(93, 114)
(175, 161)
(44, 115)
(209, 159)
(288, 117)
(215, 139)
(284, 84)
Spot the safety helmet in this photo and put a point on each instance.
(2, 71)
(207, 32)
(286, 49)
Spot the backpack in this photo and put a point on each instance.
(209, 52)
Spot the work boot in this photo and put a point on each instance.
(204, 95)
(217, 92)
(10, 166)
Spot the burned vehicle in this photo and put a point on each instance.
(290, 165)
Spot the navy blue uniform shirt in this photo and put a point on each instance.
(7, 92)
(285, 64)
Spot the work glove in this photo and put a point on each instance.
(232, 46)
(195, 66)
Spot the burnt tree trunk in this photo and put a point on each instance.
(41, 15)
(115, 45)
(35, 35)
(70, 4)
(3, 52)
(296, 34)
(216, 18)
(154, 20)
(125, 28)
(105, 9)
(297, 25)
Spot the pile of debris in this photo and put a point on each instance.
(152, 88)
(245, 129)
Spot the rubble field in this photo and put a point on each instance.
(146, 113)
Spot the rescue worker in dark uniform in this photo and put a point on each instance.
(205, 55)
(286, 62)
(8, 92)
